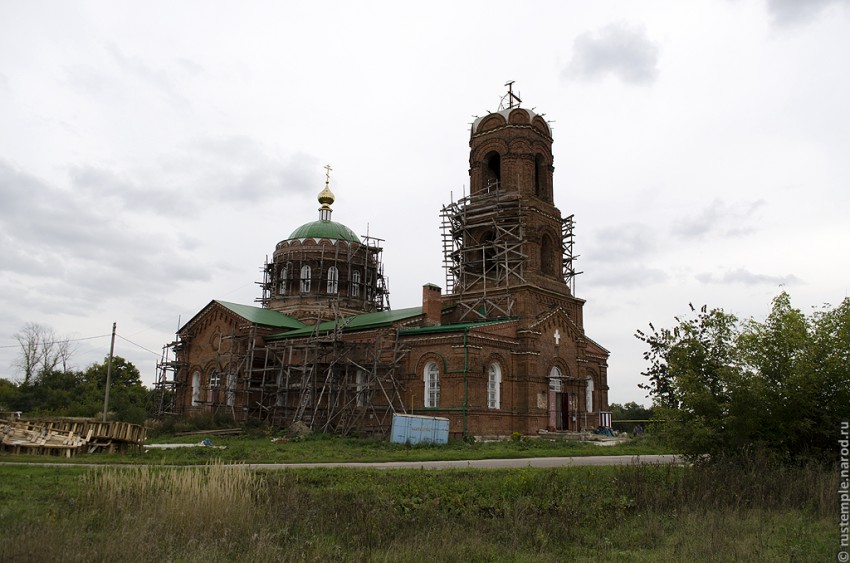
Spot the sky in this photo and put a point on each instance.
(153, 153)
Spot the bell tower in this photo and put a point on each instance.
(507, 249)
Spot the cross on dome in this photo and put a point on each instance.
(326, 196)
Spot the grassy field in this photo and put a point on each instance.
(221, 513)
(259, 448)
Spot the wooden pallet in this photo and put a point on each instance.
(66, 437)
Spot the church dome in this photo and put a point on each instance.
(324, 229)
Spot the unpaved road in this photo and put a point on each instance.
(596, 460)
(490, 463)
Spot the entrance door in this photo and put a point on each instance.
(562, 411)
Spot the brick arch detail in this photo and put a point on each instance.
(492, 121)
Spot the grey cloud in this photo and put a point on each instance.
(201, 175)
(627, 276)
(621, 50)
(622, 243)
(792, 12)
(745, 277)
(146, 190)
(238, 168)
(75, 245)
(719, 218)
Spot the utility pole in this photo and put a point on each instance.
(109, 374)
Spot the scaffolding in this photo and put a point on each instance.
(341, 385)
(165, 386)
(567, 244)
(330, 382)
(483, 241)
(368, 294)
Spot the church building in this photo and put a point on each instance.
(499, 349)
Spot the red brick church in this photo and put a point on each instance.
(501, 350)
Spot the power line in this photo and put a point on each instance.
(137, 345)
(62, 341)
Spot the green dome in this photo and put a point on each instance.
(324, 229)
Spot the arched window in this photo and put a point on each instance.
(492, 171)
(589, 395)
(355, 283)
(196, 388)
(305, 279)
(494, 384)
(215, 382)
(540, 177)
(368, 286)
(555, 379)
(362, 388)
(333, 279)
(231, 389)
(279, 396)
(281, 280)
(488, 251)
(432, 385)
(547, 256)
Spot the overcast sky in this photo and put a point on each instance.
(153, 153)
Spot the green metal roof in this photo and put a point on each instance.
(451, 328)
(260, 316)
(358, 322)
(324, 229)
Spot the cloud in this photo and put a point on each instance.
(793, 12)
(618, 49)
(627, 276)
(238, 168)
(158, 78)
(628, 241)
(65, 248)
(719, 218)
(200, 175)
(745, 277)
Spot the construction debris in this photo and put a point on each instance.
(66, 437)
(219, 432)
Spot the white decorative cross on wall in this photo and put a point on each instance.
(557, 337)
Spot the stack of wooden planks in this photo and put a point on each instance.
(67, 436)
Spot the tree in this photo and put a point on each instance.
(780, 386)
(629, 411)
(80, 393)
(42, 351)
(127, 395)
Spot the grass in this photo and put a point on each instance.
(221, 513)
(257, 447)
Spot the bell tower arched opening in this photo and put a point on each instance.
(492, 176)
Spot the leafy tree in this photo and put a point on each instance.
(80, 393)
(9, 395)
(127, 395)
(726, 388)
(629, 411)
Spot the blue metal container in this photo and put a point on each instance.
(414, 429)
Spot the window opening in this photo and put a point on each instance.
(333, 279)
(432, 385)
(305, 279)
(494, 380)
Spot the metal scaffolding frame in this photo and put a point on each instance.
(567, 244)
(374, 293)
(330, 382)
(165, 386)
(483, 240)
